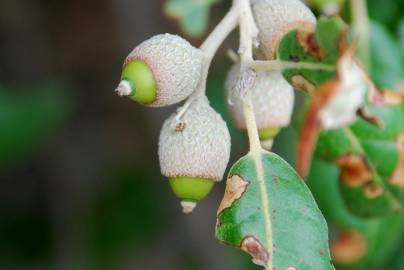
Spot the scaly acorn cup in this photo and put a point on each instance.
(275, 18)
(194, 151)
(272, 97)
(161, 71)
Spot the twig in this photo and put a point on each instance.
(274, 65)
(248, 32)
(209, 48)
(361, 28)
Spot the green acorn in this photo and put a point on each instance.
(275, 18)
(272, 98)
(194, 152)
(161, 71)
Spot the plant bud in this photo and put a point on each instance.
(272, 98)
(275, 18)
(161, 71)
(194, 151)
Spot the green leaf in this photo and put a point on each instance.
(386, 67)
(271, 214)
(397, 261)
(321, 47)
(383, 232)
(369, 157)
(193, 15)
(324, 177)
(387, 12)
(325, 47)
(382, 237)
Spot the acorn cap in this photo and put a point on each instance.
(275, 18)
(161, 71)
(200, 148)
(272, 98)
(194, 151)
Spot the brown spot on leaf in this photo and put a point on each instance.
(301, 83)
(301, 25)
(321, 252)
(307, 40)
(397, 178)
(354, 170)
(253, 247)
(344, 45)
(235, 187)
(373, 191)
(348, 248)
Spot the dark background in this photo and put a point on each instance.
(80, 186)
(80, 181)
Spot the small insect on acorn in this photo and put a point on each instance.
(161, 71)
(272, 98)
(275, 18)
(194, 156)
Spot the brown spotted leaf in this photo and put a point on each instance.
(338, 91)
(367, 149)
(334, 105)
(268, 212)
(324, 46)
(370, 159)
(356, 242)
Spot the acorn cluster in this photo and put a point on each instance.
(194, 144)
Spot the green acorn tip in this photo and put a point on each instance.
(190, 190)
(137, 82)
(124, 89)
(267, 144)
(268, 133)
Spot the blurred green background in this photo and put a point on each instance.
(80, 186)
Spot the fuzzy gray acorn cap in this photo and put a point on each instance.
(272, 97)
(176, 66)
(274, 18)
(197, 146)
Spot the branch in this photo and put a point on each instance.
(209, 48)
(276, 65)
(248, 34)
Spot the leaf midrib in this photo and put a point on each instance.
(257, 156)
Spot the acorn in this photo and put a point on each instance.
(194, 151)
(272, 98)
(275, 18)
(161, 71)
